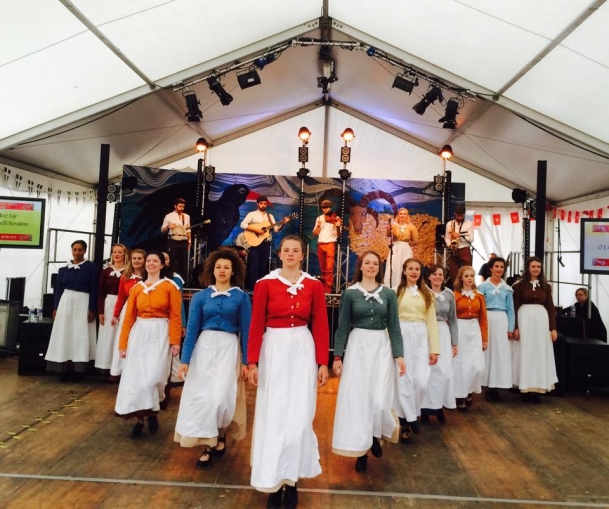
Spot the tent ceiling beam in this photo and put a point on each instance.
(421, 144)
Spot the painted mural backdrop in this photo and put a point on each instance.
(369, 205)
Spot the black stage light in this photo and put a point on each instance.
(450, 115)
(216, 87)
(248, 79)
(194, 114)
(519, 195)
(405, 83)
(433, 94)
(260, 62)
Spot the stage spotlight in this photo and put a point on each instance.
(216, 87)
(450, 115)
(405, 83)
(248, 79)
(519, 195)
(304, 134)
(347, 135)
(194, 114)
(302, 173)
(433, 94)
(202, 145)
(446, 152)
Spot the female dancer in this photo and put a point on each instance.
(109, 281)
(368, 315)
(403, 234)
(417, 312)
(72, 343)
(131, 276)
(213, 396)
(501, 320)
(151, 331)
(534, 370)
(440, 388)
(283, 356)
(473, 337)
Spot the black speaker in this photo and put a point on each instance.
(15, 289)
(48, 302)
(560, 359)
(587, 364)
(210, 173)
(440, 232)
(53, 280)
(33, 345)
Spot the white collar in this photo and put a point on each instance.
(292, 287)
(152, 287)
(116, 272)
(226, 293)
(135, 276)
(71, 265)
(374, 295)
(469, 293)
(414, 290)
(535, 283)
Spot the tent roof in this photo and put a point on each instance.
(77, 73)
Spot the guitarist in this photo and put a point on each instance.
(327, 227)
(258, 256)
(458, 237)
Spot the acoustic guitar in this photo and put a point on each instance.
(255, 239)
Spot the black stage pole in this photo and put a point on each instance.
(540, 227)
(102, 203)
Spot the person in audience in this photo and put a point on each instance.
(288, 355)
(109, 281)
(72, 342)
(440, 392)
(419, 327)
(533, 366)
(150, 336)
(214, 361)
(473, 338)
(594, 326)
(368, 325)
(501, 319)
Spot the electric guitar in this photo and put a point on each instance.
(255, 239)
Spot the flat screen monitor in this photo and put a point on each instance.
(594, 246)
(21, 222)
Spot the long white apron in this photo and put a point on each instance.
(469, 364)
(211, 391)
(365, 394)
(72, 336)
(118, 363)
(498, 355)
(440, 387)
(147, 366)
(401, 252)
(284, 445)
(412, 386)
(106, 335)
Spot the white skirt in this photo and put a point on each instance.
(469, 364)
(72, 336)
(498, 355)
(212, 392)
(412, 386)
(147, 367)
(284, 445)
(118, 363)
(440, 387)
(106, 335)
(401, 252)
(365, 394)
(534, 368)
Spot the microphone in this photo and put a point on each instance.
(561, 262)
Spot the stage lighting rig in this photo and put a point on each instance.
(194, 114)
(450, 115)
(345, 152)
(303, 152)
(434, 93)
(216, 87)
(446, 152)
(406, 82)
(248, 78)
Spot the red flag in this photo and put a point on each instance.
(599, 213)
(477, 219)
(496, 219)
(591, 214)
(569, 216)
(515, 217)
(562, 215)
(577, 216)
(554, 212)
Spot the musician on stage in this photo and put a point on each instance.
(258, 256)
(458, 237)
(327, 226)
(177, 225)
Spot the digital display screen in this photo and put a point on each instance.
(594, 247)
(21, 222)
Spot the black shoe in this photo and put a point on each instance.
(415, 427)
(153, 424)
(274, 500)
(526, 397)
(66, 376)
(376, 449)
(492, 396)
(405, 434)
(535, 399)
(218, 453)
(469, 401)
(425, 419)
(78, 377)
(201, 464)
(136, 431)
(461, 405)
(290, 498)
(440, 415)
(361, 463)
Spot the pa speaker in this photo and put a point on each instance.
(210, 173)
(438, 183)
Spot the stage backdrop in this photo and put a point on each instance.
(368, 207)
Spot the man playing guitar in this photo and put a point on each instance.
(259, 256)
(177, 226)
(327, 226)
(458, 237)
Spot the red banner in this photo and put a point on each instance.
(569, 216)
(496, 219)
(577, 216)
(477, 219)
(515, 217)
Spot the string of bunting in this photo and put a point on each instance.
(570, 216)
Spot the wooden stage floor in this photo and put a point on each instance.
(62, 447)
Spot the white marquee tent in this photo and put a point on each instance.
(533, 74)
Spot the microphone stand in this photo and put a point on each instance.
(390, 252)
(464, 237)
